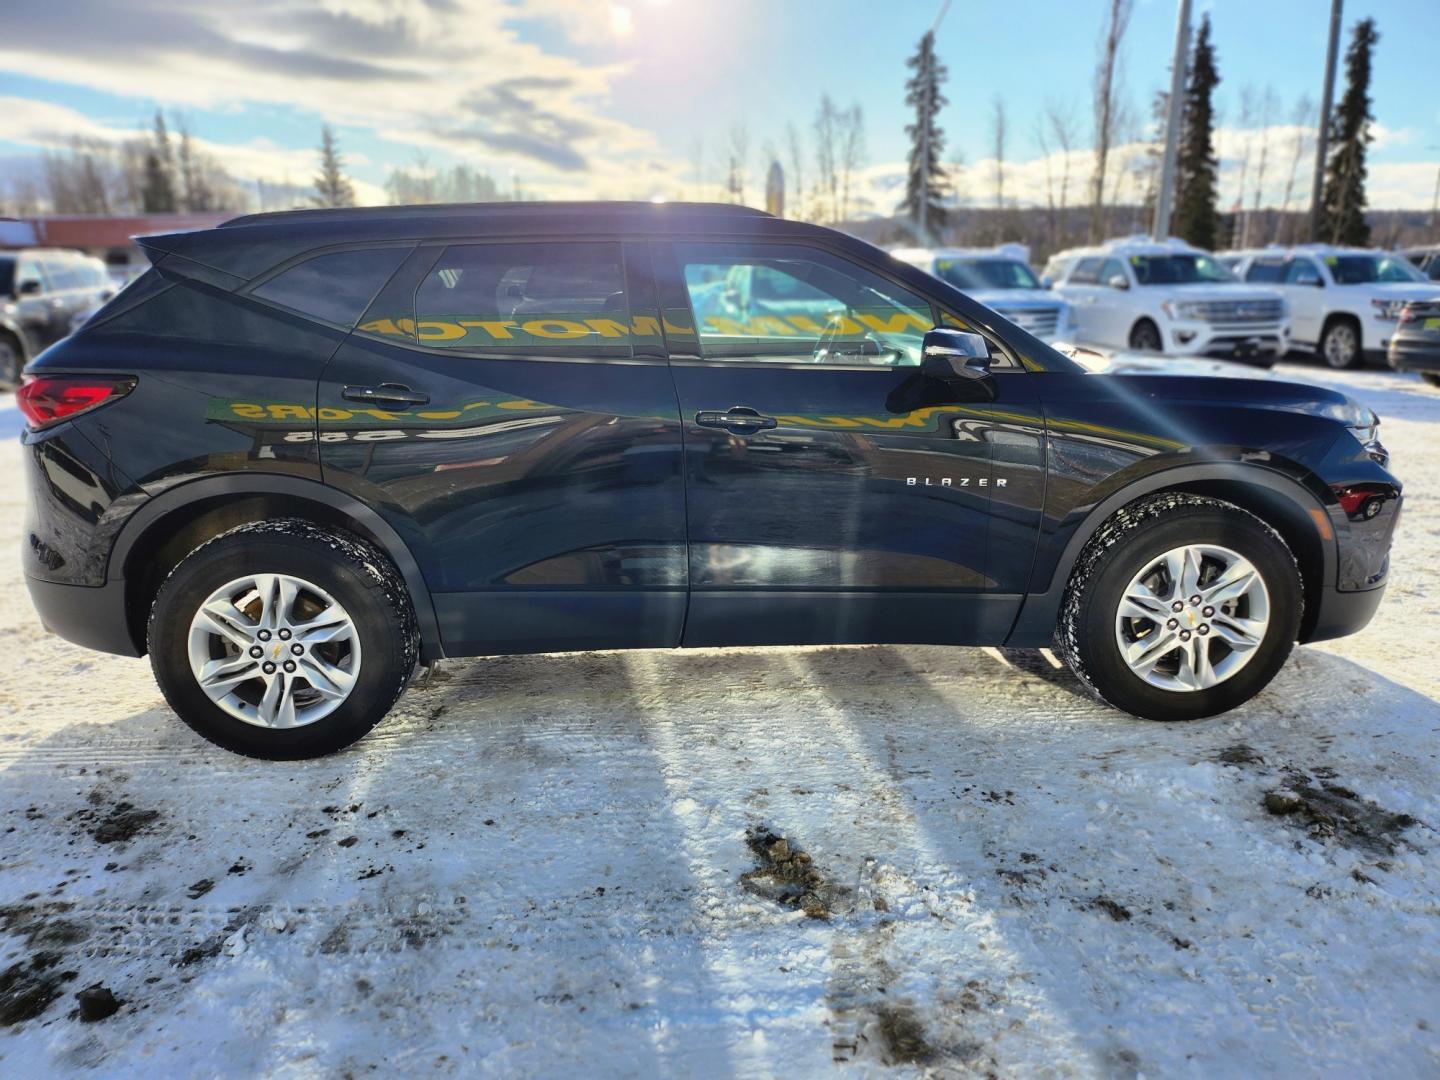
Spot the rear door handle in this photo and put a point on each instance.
(387, 394)
(739, 420)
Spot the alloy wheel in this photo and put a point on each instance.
(1341, 345)
(1192, 617)
(274, 650)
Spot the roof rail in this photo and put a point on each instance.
(454, 209)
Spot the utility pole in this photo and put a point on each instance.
(925, 134)
(1179, 70)
(1322, 137)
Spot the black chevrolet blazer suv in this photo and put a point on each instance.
(308, 452)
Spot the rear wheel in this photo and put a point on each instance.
(1340, 344)
(282, 640)
(1145, 337)
(1180, 607)
(12, 360)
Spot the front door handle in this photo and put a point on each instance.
(386, 394)
(739, 420)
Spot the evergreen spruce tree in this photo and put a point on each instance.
(331, 186)
(157, 186)
(922, 93)
(1342, 206)
(1197, 221)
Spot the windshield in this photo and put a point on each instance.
(986, 274)
(1368, 269)
(1185, 269)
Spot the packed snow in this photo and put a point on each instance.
(755, 862)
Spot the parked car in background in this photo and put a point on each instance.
(1001, 279)
(1426, 260)
(1345, 303)
(42, 291)
(407, 433)
(1168, 297)
(1415, 344)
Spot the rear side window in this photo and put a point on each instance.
(336, 287)
(554, 299)
(1266, 273)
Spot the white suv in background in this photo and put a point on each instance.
(1001, 279)
(1345, 302)
(1169, 297)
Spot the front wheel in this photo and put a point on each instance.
(1340, 345)
(1145, 337)
(283, 640)
(1180, 607)
(1431, 377)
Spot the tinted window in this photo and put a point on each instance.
(1186, 269)
(7, 277)
(1269, 272)
(799, 305)
(336, 287)
(1302, 272)
(1086, 272)
(986, 274)
(555, 298)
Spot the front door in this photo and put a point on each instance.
(833, 493)
(507, 408)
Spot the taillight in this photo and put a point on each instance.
(46, 400)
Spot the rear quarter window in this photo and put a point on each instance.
(336, 287)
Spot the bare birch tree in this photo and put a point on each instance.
(1107, 97)
(997, 134)
(1302, 124)
(852, 153)
(1061, 121)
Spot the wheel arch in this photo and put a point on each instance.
(174, 523)
(1278, 499)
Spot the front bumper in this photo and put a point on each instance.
(1341, 613)
(90, 615)
(1239, 341)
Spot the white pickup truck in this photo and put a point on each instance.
(1001, 279)
(1344, 302)
(1169, 297)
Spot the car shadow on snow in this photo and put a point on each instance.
(542, 861)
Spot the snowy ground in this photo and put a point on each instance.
(540, 865)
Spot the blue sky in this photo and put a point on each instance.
(612, 97)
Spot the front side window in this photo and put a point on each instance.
(1112, 274)
(986, 274)
(791, 304)
(1086, 272)
(63, 274)
(336, 287)
(1302, 272)
(1180, 269)
(550, 298)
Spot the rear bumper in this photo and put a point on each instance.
(92, 616)
(1409, 355)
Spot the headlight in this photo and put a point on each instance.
(1389, 310)
(1182, 309)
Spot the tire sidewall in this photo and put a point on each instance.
(1239, 532)
(383, 670)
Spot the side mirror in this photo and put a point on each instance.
(28, 287)
(954, 354)
(1118, 281)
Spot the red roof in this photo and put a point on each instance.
(93, 231)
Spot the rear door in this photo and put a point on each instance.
(507, 407)
(1304, 288)
(1083, 290)
(833, 493)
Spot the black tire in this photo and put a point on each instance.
(1145, 337)
(1431, 377)
(1140, 532)
(12, 360)
(1341, 346)
(355, 573)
